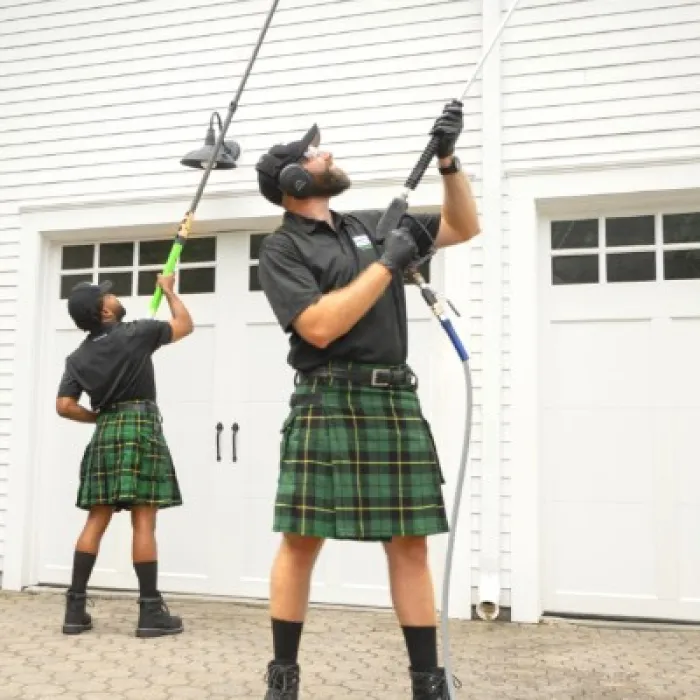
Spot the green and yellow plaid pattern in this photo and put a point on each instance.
(358, 463)
(128, 463)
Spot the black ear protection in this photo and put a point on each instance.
(296, 182)
(291, 179)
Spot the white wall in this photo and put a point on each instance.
(101, 100)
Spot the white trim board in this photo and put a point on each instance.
(532, 198)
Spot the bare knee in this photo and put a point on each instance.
(98, 518)
(143, 519)
(303, 550)
(407, 551)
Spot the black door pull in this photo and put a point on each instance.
(234, 431)
(219, 429)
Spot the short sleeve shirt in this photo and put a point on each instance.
(306, 258)
(114, 364)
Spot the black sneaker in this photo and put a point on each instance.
(431, 685)
(76, 620)
(282, 681)
(155, 619)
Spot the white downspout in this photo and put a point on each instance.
(489, 580)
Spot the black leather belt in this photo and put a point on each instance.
(367, 376)
(137, 406)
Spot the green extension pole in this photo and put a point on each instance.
(186, 225)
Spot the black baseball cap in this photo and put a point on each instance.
(271, 163)
(85, 304)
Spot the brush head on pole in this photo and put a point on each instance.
(225, 160)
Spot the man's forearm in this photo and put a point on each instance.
(79, 414)
(340, 310)
(179, 311)
(459, 205)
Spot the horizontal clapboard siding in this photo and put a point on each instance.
(600, 80)
(113, 101)
(101, 99)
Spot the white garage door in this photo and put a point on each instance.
(621, 416)
(232, 370)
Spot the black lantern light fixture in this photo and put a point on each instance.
(226, 158)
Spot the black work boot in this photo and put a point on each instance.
(431, 685)
(282, 681)
(76, 620)
(155, 619)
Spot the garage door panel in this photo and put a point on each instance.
(598, 364)
(688, 534)
(620, 414)
(681, 385)
(604, 550)
(599, 456)
(680, 440)
(186, 369)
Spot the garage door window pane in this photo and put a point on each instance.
(77, 257)
(574, 234)
(255, 242)
(121, 282)
(147, 282)
(154, 252)
(631, 267)
(681, 228)
(199, 250)
(197, 281)
(116, 255)
(69, 281)
(253, 279)
(575, 269)
(682, 264)
(629, 230)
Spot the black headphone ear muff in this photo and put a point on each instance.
(295, 181)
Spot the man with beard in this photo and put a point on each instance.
(127, 464)
(358, 461)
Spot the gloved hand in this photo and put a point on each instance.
(448, 126)
(399, 250)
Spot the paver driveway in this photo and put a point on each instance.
(345, 655)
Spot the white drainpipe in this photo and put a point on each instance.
(489, 583)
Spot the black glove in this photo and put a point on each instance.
(448, 127)
(399, 250)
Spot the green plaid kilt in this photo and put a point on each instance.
(358, 463)
(128, 463)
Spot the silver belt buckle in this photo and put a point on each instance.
(378, 382)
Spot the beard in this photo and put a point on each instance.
(332, 182)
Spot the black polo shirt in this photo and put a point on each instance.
(115, 363)
(306, 258)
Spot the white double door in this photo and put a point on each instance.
(223, 393)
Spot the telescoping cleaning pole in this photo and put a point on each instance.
(391, 219)
(186, 224)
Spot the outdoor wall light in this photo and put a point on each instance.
(228, 153)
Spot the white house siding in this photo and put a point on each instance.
(101, 99)
(585, 83)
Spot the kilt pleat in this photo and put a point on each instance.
(128, 463)
(358, 463)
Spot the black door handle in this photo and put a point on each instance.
(234, 431)
(219, 429)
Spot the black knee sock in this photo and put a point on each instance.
(421, 643)
(286, 637)
(147, 573)
(82, 568)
